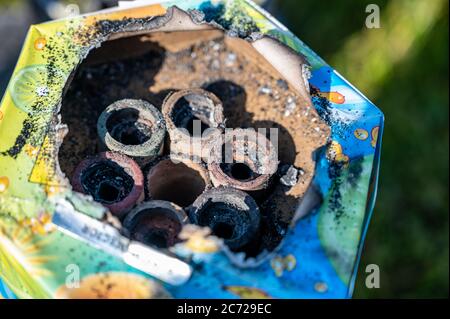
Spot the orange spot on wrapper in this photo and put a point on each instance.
(375, 136)
(40, 225)
(321, 287)
(31, 150)
(40, 43)
(333, 97)
(247, 292)
(336, 97)
(336, 154)
(4, 183)
(361, 134)
(280, 264)
(54, 190)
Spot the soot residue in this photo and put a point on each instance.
(353, 169)
(232, 18)
(325, 110)
(335, 170)
(107, 182)
(27, 129)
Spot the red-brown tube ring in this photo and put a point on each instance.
(112, 179)
(156, 223)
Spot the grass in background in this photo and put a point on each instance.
(402, 68)
(5, 3)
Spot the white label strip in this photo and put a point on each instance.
(166, 268)
(105, 237)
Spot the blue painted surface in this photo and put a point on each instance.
(5, 292)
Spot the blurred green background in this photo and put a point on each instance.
(403, 68)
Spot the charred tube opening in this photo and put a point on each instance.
(179, 181)
(155, 223)
(194, 118)
(132, 127)
(243, 159)
(112, 179)
(231, 214)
